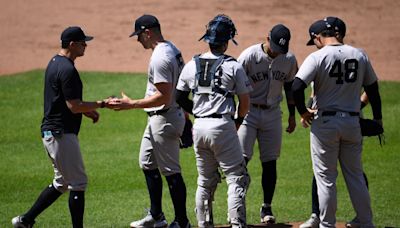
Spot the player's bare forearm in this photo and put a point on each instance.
(244, 104)
(126, 103)
(78, 106)
(155, 100)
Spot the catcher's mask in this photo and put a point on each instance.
(220, 30)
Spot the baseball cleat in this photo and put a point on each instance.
(355, 223)
(312, 222)
(266, 214)
(18, 222)
(175, 224)
(148, 221)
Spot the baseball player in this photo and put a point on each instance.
(270, 68)
(340, 30)
(339, 72)
(214, 78)
(63, 109)
(159, 149)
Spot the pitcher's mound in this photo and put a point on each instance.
(279, 225)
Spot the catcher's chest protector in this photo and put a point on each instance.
(208, 75)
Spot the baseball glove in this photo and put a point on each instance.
(187, 136)
(370, 127)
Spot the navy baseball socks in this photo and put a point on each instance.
(177, 190)
(268, 182)
(154, 186)
(48, 196)
(77, 207)
(45, 199)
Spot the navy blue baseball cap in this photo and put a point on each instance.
(338, 24)
(279, 39)
(316, 28)
(145, 22)
(74, 33)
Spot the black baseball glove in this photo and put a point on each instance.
(370, 127)
(187, 136)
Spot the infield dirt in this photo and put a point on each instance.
(31, 29)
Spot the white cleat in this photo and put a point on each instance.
(266, 214)
(148, 221)
(312, 222)
(18, 222)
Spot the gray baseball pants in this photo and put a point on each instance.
(216, 144)
(160, 142)
(338, 138)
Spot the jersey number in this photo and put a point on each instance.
(350, 71)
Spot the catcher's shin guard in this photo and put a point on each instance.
(204, 214)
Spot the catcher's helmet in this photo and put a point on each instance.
(337, 24)
(220, 30)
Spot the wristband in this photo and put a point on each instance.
(103, 104)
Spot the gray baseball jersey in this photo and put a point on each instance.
(338, 73)
(160, 142)
(267, 77)
(342, 94)
(165, 65)
(216, 143)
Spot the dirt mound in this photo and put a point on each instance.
(30, 31)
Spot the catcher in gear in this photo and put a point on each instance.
(214, 79)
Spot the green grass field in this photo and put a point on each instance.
(116, 194)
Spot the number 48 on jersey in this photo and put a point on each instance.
(346, 71)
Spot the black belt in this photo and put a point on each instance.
(333, 113)
(218, 116)
(158, 112)
(261, 106)
(210, 116)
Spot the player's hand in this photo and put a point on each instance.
(107, 101)
(307, 118)
(122, 103)
(292, 124)
(94, 115)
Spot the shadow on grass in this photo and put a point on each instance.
(277, 225)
